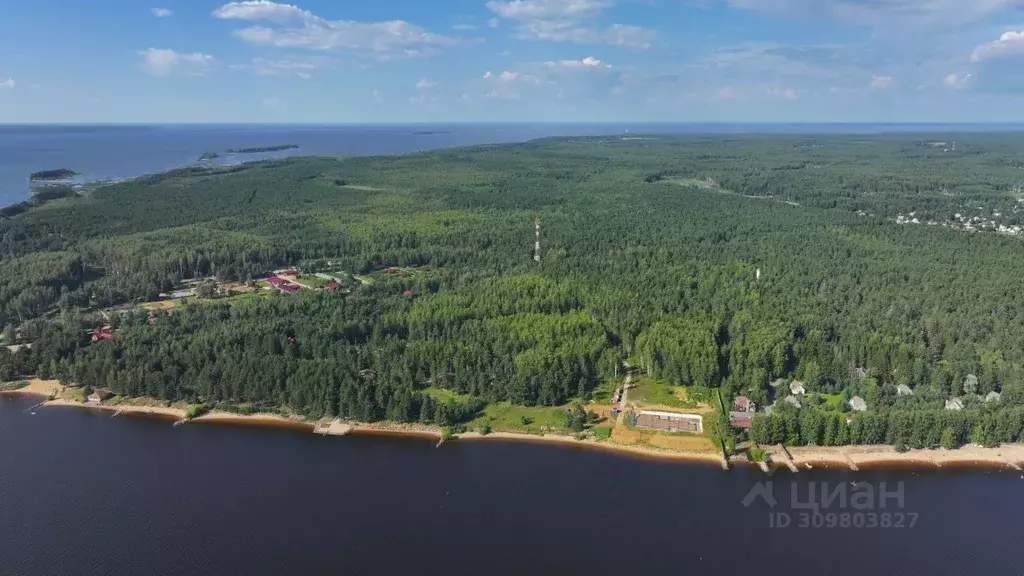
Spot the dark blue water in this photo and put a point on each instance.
(115, 152)
(84, 494)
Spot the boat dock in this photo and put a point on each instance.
(788, 459)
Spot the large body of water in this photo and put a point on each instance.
(115, 152)
(84, 494)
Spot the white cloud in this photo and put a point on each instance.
(569, 21)
(499, 94)
(1009, 44)
(302, 68)
(463, 27)
(294, 27)
(161, 12)
(588, 62)
(254, 10)
(958, 81)
(881, 82)
(508, 76)
(780, 93)
(164, 62)
(487, 75)
(424, 84)
(896, 14)
(9, 83)
(547, 9)
(725, 93)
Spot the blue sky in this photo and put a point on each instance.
(512, 60)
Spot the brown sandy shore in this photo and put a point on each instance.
(843, 457)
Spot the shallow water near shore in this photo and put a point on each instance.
(84, 493)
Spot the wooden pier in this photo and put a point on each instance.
(788, 458)
(853, 465)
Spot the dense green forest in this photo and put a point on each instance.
(705, 260)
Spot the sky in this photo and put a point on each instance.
(376, 61)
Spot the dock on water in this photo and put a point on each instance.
(853, 465)
(788, 459)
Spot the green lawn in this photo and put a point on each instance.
(445, 395)
(245, 298)
(603, 393)
(505, 417)
(833, 400)
(4, 386)
(312, 281)
(647, 390)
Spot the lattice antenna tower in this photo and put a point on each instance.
(536, 245)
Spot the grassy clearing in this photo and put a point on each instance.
(650, 392)
(312, 281)
(73, 394)
(697, 183)
(505, 417)
(647, 390)
(245, 299)
(7, 386)
(603, 393)
(833, 400)
(445, 395)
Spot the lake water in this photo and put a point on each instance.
(84, 494)
(115, 152)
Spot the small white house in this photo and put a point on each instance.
(993, 397)
(792, 401)
(954, 404)
(904, 390)
(858, 404)
(796, 387)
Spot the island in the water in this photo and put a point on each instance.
(703, 295)
(52, 175)
(207, 156)
(263, 149)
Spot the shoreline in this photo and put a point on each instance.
(852, 458)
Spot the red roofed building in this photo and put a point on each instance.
(332, 285)
(744, 404)
(407, 293)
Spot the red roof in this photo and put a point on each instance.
(332, 285)
(407, 293)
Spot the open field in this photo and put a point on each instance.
(653, 394)
(505, 417)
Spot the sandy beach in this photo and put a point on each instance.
(1005, 456)
(847, 457)
(37, 387)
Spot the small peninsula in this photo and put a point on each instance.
(52, 175)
